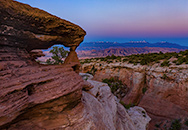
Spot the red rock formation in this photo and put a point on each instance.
(72, 60)
(36, 96)
(164, 99)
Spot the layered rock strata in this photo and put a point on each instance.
(29, 91)
(102, 111)
(162, 91)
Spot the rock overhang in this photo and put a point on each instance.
(35, 28)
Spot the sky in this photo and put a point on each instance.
(123, 20)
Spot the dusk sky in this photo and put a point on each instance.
(123, 20)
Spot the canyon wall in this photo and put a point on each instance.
(162, 91)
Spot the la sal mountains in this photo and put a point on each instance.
(100, 49)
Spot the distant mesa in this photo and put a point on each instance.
(106, 45)
(124, 51)
(102, 49)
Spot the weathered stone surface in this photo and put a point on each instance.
(86, 76)
(87, 86)
(32, 95)
(164, 99)
(32, 28)
(34, 85)
(103, 112)
(36, 53)
(72, 60)
(139, 117)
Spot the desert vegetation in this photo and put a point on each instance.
(117, 87)
(164, 59)
(58, 53)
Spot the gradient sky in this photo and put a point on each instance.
(123, 20)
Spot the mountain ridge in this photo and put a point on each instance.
(106, 45)
(124, 51)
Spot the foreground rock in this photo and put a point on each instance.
(35, 96)
(103, 112)
(162, 91)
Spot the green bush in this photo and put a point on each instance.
(175, 125)
(57, 54)
(113, 83)
(164, 76)
(127, 106)
(165, 63)
(186, 122)
(144, 90)
(146, 59)
(92, 71)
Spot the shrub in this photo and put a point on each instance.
(127, 106)
(157, 125)
(186, 122)
(174, 61)
(57, 54)
(92, 71)
(144, 90)
(113, 83)
(164, 76)
(124, 60)
(175, 125)
(165, 63)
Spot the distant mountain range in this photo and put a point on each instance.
(101, 49)
(106, 45)
(124, 51)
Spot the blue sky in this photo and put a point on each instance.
(123, 20)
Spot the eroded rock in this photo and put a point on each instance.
(103, 112)
(32, 28)
(161, 91)
(32, 95)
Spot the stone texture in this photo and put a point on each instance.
(164, 99)
(72, 60)
(35, 28)
(36, 96)
(36, 53)
(139, 117)
(34, 85)
(103, 112)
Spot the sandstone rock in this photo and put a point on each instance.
(72, 60)
(30, 86)
(103, 112)
(36, 96)
(87, 86)
(86, 76)
(165, 95)
(35, 28)
(139, 117)
(36, 53)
